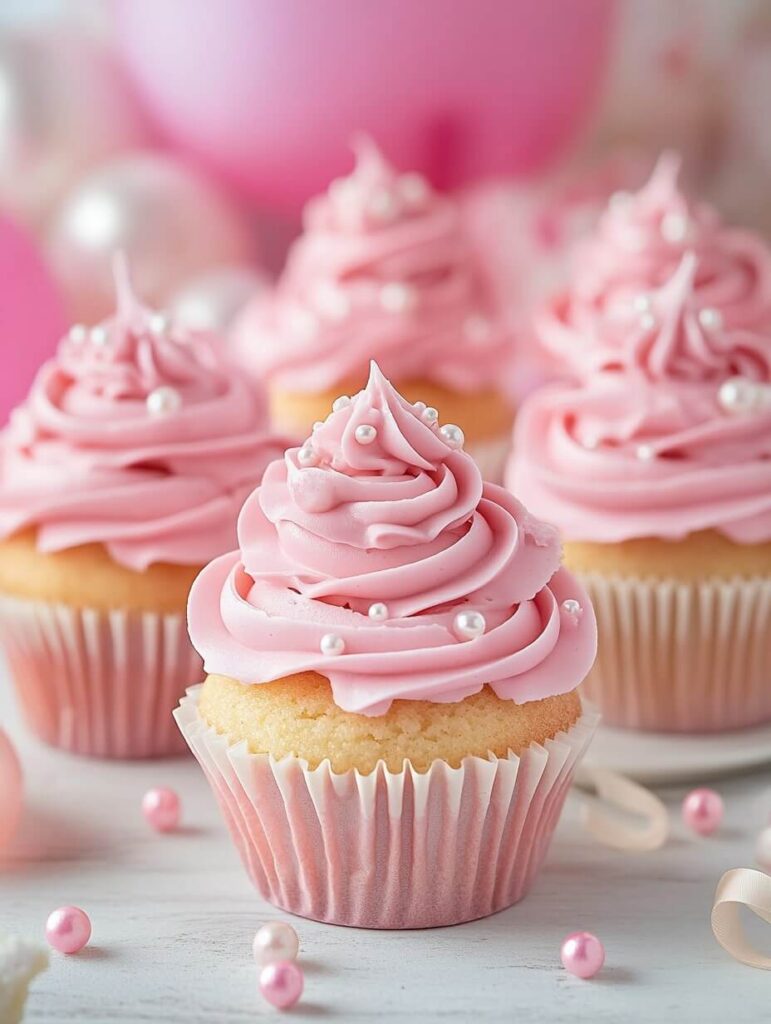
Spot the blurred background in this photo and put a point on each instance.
(189, 134)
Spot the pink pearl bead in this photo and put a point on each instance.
(582, 954)
(68, 929)
(276, 942)
(703, 811)
(281, 984)
(161, 807)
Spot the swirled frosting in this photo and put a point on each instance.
(639, 243)
(135, 436)
(383, 270)
(404, 520)
(653, 448)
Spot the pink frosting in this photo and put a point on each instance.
(383, 270)
(85, 460)
(639, 243)
(648, 449)
(405, 520)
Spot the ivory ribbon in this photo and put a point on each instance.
(741, 887)
(620, 793)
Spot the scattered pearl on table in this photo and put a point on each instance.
(99, 335)
(161, 807)
(739, 395)
(378, 611)
(77, 334)
(763, 849)
(703, 811)
(645, 452)
(68, 929)
(281, 984)
(582, 954)
(332, 644)
(452, 435)
(158, 323)
(163, 401)
(429, 415)
(469, 625)
(341, 403)
(397, 297)
(711, 319)
(476, 328)
(365, 433)
(413, 188)
(674, 227)
(307, 456)
(275, 942)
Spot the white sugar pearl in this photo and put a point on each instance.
(452, 435)
(419, 406)
(739, 395)
(397, 297)
(163, 401)
(77, 334)
(341, 403)
(383, 205)
(641, 303)
(763, 849)
(572, 608)
(469, 625)
(307, 456)
(414, 189)
(673, 227)
(275, 943)
(429, 415)
(711, 319)
(158, 323)
(99, 335)
(378, 611)
(332, 644)
(477, 328)
(645, 453)
(647, 321)
(365, 434)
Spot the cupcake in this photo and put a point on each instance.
(383, 270)
(120, 476)
(657, 470)
(389, 721)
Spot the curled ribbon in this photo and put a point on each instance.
(621, 794)
(741, 887)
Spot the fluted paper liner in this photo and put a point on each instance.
(389, 849)
(681, 657)
(99, 683)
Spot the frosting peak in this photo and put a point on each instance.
(400, 518)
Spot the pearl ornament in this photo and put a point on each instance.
(739, 395)
(158, 323)
(674, 227)
(307, 456)
(332, 645)
(469, 625)
(647, 321)
(341, 403)
(365, 433)
(702, 811)
(418, 406)
(452, 435)
(711, 319)
(378, 611)
(163, 401)
(397, 297)
(429, 415)
(162, 807)
(68, 930)
(281, 984)
(641, 303)
(99, 335)
(77, 334)
(582, 954)
(645, 453)
(275, 942)
(572, 608)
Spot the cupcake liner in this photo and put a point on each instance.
(100, 683)
(681, 657)
(491, 456)
(389, 850)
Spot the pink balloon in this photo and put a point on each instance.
(269, 94)
(31, 314)
(10, 790)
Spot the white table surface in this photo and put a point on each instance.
(173, 919)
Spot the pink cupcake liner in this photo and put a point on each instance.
(99, 683)
(491, 456)
(389, 850)
(681, 657)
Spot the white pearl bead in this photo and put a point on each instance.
(77, 334)
(647, 321)
(739, 395)
(673, 227)
(429, 415)
(99, 335)
(307, 456)
(163, 401)
(711, 319)
(419, 406)
(641, 303)
(382, 205)
(763, 849)
(275, 943)
(341, 403)
(645, 453)
(469, 625)
(378, 611)
(452, 435)
(477, 328)
(397, 297)
(572, 608)
(365, 434)
(332, 644)
(414, 189)
(158, 323)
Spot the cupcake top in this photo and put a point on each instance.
(676, 440)
(384, 270)
(639, 242)
(375, 555)
(135, 436)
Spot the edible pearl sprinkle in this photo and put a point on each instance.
(572, 608)
(429, 415)
(68, 929)
(99, 335)
(739, 395)
(673, 227)
(341, 403)
(332, 644)
(397, 297)
(413, 188)
(162, 808)
(647, 321)
(365, 434)
(452, 435)
(469, 625)
(159, 323)
(645, 453)
(418, 406)
(476, 327)
(77, 334)
(163, 401)
(710, 319)
(378, 611)
(276, 942)
(307, 456)
(642, 303)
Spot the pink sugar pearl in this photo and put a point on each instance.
(161, 807)
(282, 984)
(703, 811)
(68, 929)
(582, 954)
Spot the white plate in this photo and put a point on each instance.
(660, 758)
